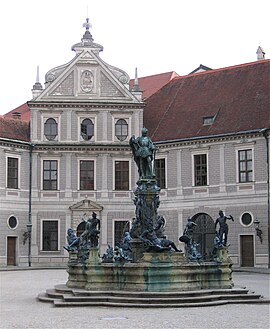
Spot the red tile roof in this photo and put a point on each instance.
(14, 129)
(23, 110)
(151, 84)
(238, 97)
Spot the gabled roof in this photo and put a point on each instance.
(151, 84)
(235, 98)
(14, 129)
(22, 109)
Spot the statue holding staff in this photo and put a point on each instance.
(143, 151)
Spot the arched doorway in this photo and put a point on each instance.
(204, 234)
(80, 228)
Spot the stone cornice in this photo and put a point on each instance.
(207, 140)
(86, 105)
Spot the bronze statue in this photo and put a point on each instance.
(143, 151)
(72, 241)
(92, 230)
(188, 232)
(223, 227)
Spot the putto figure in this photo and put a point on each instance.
(143, 151)
(223, 227)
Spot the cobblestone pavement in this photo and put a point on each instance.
(20, 309)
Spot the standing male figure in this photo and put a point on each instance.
(223, 226)
(143, 152)
(92, 230)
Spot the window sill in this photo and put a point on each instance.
(12, 192)
(245, 186)
(204, 189)
(121, 194)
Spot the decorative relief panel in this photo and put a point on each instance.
(87, 81)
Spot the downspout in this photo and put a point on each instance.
(29, 224)
(265, 133)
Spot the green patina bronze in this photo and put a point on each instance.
(156, 265)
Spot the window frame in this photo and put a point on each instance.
(93, 127)
(42, 234)
(165, 171)
(13, 156)
(193, 168)
(114, 174)
(248, 146)
(246, 171)
(81, 118)
(79, 173)
(115, 118)
(42, 173)
(241, 216)
(17, 224)
(57, 118)
(127, 125)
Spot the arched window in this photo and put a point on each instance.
(121, 129)
(50, 129)
(87, 129)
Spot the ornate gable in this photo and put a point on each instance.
(86, 78)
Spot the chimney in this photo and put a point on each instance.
(260, 54)
(16, 115)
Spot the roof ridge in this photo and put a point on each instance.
(223, 69)
(153, 75)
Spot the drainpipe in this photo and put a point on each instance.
(29, 224)
(265, 133)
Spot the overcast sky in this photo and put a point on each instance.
(154, 35)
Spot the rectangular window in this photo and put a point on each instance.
(245, 166)
(122, 175)
(120, 227)
(160, 173)
(50, 235)
(86, 175)
(200, 170)
(12, 172)
(50, 174)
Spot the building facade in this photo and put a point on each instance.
(211, 130)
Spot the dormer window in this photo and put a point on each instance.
(87, 129)
(50, 129)
(121, 129)
(209, 120)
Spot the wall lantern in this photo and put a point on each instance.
(257, 228)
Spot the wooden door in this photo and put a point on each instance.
(247, 250)
(204, 234)
(11, 250)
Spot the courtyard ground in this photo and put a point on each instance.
(20, 309)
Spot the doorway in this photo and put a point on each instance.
(247, 250)
(11, 251)
(204, 234)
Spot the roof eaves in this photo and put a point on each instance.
(17, 141)
(254, 131)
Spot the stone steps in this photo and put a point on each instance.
(63, 296)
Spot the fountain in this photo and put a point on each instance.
(147, 261)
